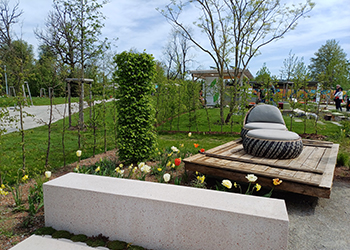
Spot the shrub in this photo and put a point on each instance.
(135, 132)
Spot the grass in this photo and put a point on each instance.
(36, 140)
(37, 101)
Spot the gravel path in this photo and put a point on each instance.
(318, 223)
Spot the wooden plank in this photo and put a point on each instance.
(313, 160)
(266, 162)
(228, 144)
(316, 143)
(297, 162)
(324, 160)
(264, 181)
(327, 177)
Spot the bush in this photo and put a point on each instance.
(135, 132)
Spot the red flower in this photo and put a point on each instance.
(196, 145)
(177, 161)
(202, 150)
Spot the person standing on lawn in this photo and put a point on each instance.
(338, 97)
(348, 100)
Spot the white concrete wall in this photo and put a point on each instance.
(164, 216)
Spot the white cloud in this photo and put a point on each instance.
(137, 24)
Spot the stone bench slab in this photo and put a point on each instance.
(164, 216)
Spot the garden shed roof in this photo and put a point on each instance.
(214, 73)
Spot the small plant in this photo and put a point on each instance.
(16, 190)
(343, 159)
(45, 231)
(199, 182)
(62, 234)
(116, 245)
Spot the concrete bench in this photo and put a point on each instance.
(36, 242)
(164, 216)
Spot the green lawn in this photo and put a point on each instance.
(36, 140)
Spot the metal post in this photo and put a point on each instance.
(30, 95)
(7, 90)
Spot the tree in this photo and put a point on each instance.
(136, 136)
(176, 55)
(237, 29)
(72, 32)
(289, 65)
(216, 29)
(330, 66)
(8, 17)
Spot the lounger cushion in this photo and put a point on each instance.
(275, 144)
(261, 125)
(265, 113)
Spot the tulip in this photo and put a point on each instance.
(78, 153)
(166, 177)
(227, 183)
(177, 161)
(47, 174)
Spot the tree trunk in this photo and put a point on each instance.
(49, 131)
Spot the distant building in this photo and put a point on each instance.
(210, 88)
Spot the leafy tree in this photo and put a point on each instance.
(330, 65)
(236, 30)
(72, 32)
(135, 131)
(289, 65)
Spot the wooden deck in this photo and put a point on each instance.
(310, 174)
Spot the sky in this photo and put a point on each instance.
(138, 25)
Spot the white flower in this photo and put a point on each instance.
(141, 164)
(227, 183)
(174, 149)
(145, 168)
(78, 153)
(189, 134)
(48, 174)
(166, 177)
(251, 178)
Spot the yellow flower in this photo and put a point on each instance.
(170, 154)
(78, 153)
(168, 164)
(130, 167)
(227, 183)
(196, 172)
(201, 178)
(134, 170)
(277, 181)
(117, 169)
(24, 178)
(257, 186)
(159, 169)
(235, 185)
(2, 186)
(97, 169)
(189, 134)
(181, 145)
(173, 165)
(121, 165)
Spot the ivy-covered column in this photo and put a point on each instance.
(136, 136)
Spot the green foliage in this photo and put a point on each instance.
(79, 238)
(343, 159)
(116, 245)
(330, 65)
(36, 197)
(45, 231)
(62, 234)
(135, 131)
